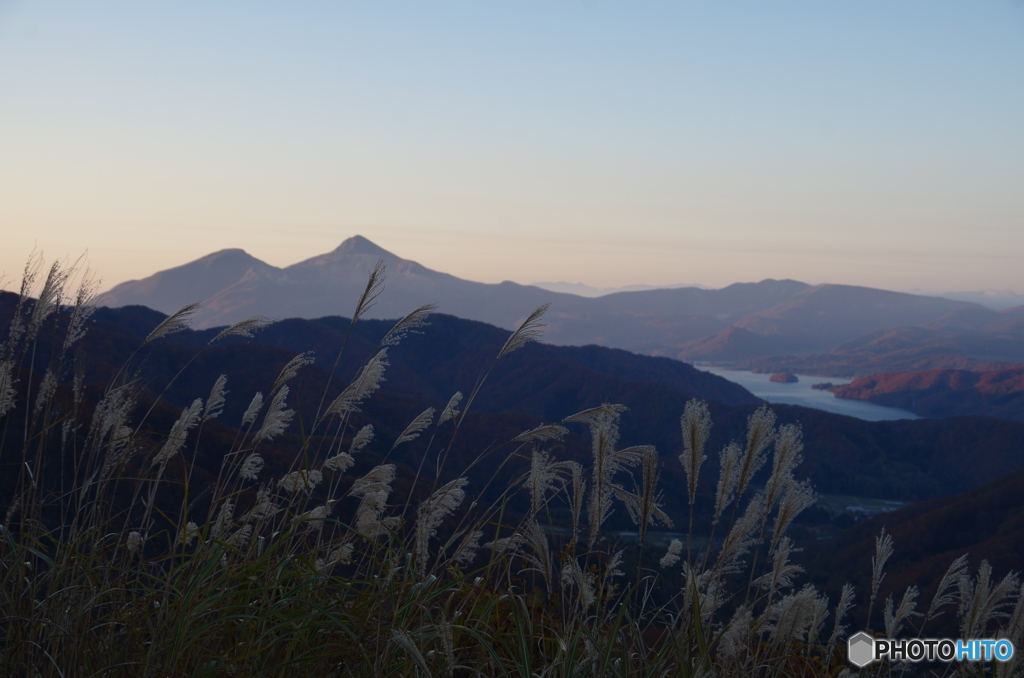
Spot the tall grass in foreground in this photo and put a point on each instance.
(102, 575)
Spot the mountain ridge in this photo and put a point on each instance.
(784, 315)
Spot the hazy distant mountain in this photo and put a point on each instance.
(169, 290)
(995, 299)
(817, 319)
(744, 320)
(973, 338)
(650, 321)
(588, 291)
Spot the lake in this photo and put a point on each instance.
(802, 394)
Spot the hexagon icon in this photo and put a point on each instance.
(860, 649)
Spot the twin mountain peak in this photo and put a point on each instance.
(738, 322)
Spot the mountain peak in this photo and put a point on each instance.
(357, 244)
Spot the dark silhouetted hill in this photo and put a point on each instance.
(986, 521)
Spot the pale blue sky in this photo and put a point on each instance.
(865, 142)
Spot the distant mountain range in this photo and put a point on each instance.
(588, 291)
(973, 338)
(738, 322)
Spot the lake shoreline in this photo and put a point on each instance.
(801, 393)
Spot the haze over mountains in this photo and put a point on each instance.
(740, 322)
(584, 290)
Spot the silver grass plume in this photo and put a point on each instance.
(403, 640)
(447, 643)
(343, 461)
(788, 444)
(818, 614)
(982, 601)
(366, 382)
(339, 554)
(542, 432)
(573, 575)
(300, 480)
(82, 310)
(415, 427)
(527, 332)
(728, 475)
(251, 467)
(649, 504)
(409, 323)
(49, 297)
(597, 417)
(12, 510)
(894, 619)
(439, 505)
(741, 536)
(883, 550)
(378, 478)
(368, 518)
(263, 508)
(28, 281)
(760, 431)
(289, 371)
(187, 534)
(361, 439)
(7, 381)
(134, 541)
(709, 590)
(253, 410)
(1014, 629)
(374, 489)
(783, 572)
(240, 537)
(223, 520)
(795, 498)
(466, 553)
(450, 410)
(579, 489)
(46, 390)
(511, 545)
(276, 420)
(604, 433)
(78, 385)
(340, 462)
(671, 557)
(842, 607)
(796, 616)
(176, 322)
(543, 477)
(111, 412)
(215, 403)
(735, 639)
(538, 558)
(176, 438)
(611, 570)
(110, 419)
(316, 517)
(944, 593)
(696, 426)
(374, 285)
(245, 328)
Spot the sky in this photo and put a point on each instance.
(863, 142)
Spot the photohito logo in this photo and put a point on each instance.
(862, 649)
